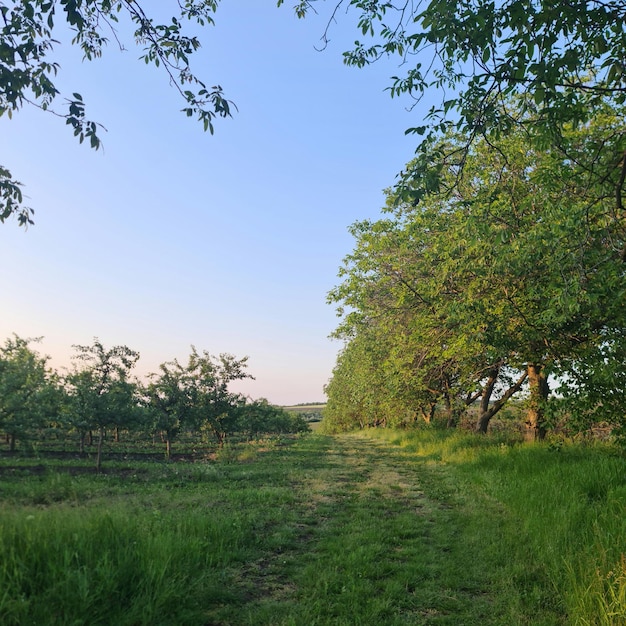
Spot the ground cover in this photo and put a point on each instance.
(371, 528)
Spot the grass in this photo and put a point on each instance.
(561, 513)
(371, 528)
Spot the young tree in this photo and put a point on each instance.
(28, 70)
(28, 390)
(196, 395)
(99, 388)
(214, 406)
(170, 400)
(260, 417)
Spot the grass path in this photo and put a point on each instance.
(359, 529)
(377, 536)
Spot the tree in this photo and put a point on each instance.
(514, 266)
(568, 57)
(170, 399)
(404, 285)
(196, 395)
(215, 408)
(101, 393)
(360, 392)
(592, 388)
(27, 390)
(28, 70)
(261, 417)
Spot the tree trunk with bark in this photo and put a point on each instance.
(539, 390)
(488, 409)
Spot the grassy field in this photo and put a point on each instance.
(380, 528)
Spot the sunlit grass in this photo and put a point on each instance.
(380, 527)
(568, 504)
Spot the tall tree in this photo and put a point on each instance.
(514, 266)
(28, 70)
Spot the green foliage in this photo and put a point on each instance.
(100, 393)
(169, 400)
(28, 70)
(567, 58)
(11, 200)
(511, 271)
(215, 408)
(29, 395)
(190, 402)
(593, 388)
(261, 417)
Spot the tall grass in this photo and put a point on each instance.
(154, 547)
(567, 505)
(381, 527)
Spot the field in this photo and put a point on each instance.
(380, 528)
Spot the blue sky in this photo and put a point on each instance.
(170, 236)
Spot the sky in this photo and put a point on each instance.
(170, 237)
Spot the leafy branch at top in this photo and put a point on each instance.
(28, 72)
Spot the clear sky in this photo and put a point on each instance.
(170, 236)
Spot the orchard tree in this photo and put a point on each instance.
(260, 417)
(215, 407)
(195, 396)
(516, 266)
(101, 393)
(29, 33)
(170, 399)
(29, 393)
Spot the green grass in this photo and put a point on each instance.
(372, 528)
(562, 514)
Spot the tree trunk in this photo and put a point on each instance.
(487, 411)
(99, 453)
(81, 443)
(168, 448)
(539, 390)
(116, 436)
(453, 411)
(428, 415)
(485, 415)
(11, 437)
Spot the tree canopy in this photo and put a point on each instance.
(510, 272)
(470, 57)
(28, 389)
